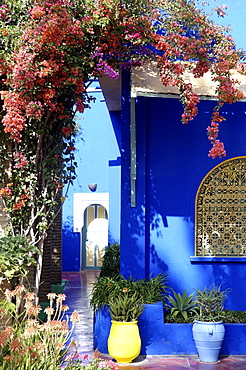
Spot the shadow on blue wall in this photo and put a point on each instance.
(172, 159)
(71, 247)
(115, 118)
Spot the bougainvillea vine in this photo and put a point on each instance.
(51, 50)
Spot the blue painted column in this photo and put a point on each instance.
(134, 238)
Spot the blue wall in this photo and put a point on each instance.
(158, 234)
(172, 160)
(98, 158)
(160, 338)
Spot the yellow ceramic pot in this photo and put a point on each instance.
(124, 341)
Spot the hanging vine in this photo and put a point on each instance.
(50, 50)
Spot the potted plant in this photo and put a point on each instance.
(208, 328)
(110, 284)
(180, 307)
(124, 341)
(152, 290)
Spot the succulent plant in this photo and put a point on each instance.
(125, 307)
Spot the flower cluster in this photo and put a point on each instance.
(42, 66)
(190, 101)
(50, 50)
(4, 11)
(5, 192)
(67, 130)
(29, 343)
(21, 202)
(76, 361)
(20, 160)
(102, 66)
(194, 43)
(218, 150)
(220, 10)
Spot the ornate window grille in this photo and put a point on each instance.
(221, 211)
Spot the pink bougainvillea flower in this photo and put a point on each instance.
(20, 160)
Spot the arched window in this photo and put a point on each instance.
(221, 211)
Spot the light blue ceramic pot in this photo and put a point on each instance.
(208, 337)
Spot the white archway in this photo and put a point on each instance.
(91, 212)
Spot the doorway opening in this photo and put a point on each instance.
(94, 236)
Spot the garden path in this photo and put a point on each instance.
(78, 289)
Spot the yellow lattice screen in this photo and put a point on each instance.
(221, 211)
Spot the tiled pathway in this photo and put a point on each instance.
(78, 290)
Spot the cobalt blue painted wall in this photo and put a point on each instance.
(160, 338)
(102, 131)
(98, 158)
(158, 234)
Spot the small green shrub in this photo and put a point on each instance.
(229, 317)
(111, 261)
(151, 290)
(210, 303)
(111, 283)
(125, 307)
(234, 316)
(16, 255)
(181, 305)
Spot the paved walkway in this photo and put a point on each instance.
(78, 290)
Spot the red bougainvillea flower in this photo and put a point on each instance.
(37, 12)
(217, 150)
(21, 201)
(67, 130)
(5, 192)
(52, 50)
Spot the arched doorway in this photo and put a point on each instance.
(94, 236)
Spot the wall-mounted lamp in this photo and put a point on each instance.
(92, 187)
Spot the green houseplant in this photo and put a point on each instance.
(210, 303)
(105, 289)
(125, 307)
(208, 328)
(124, 343)
(111, 296)
(180, 306)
